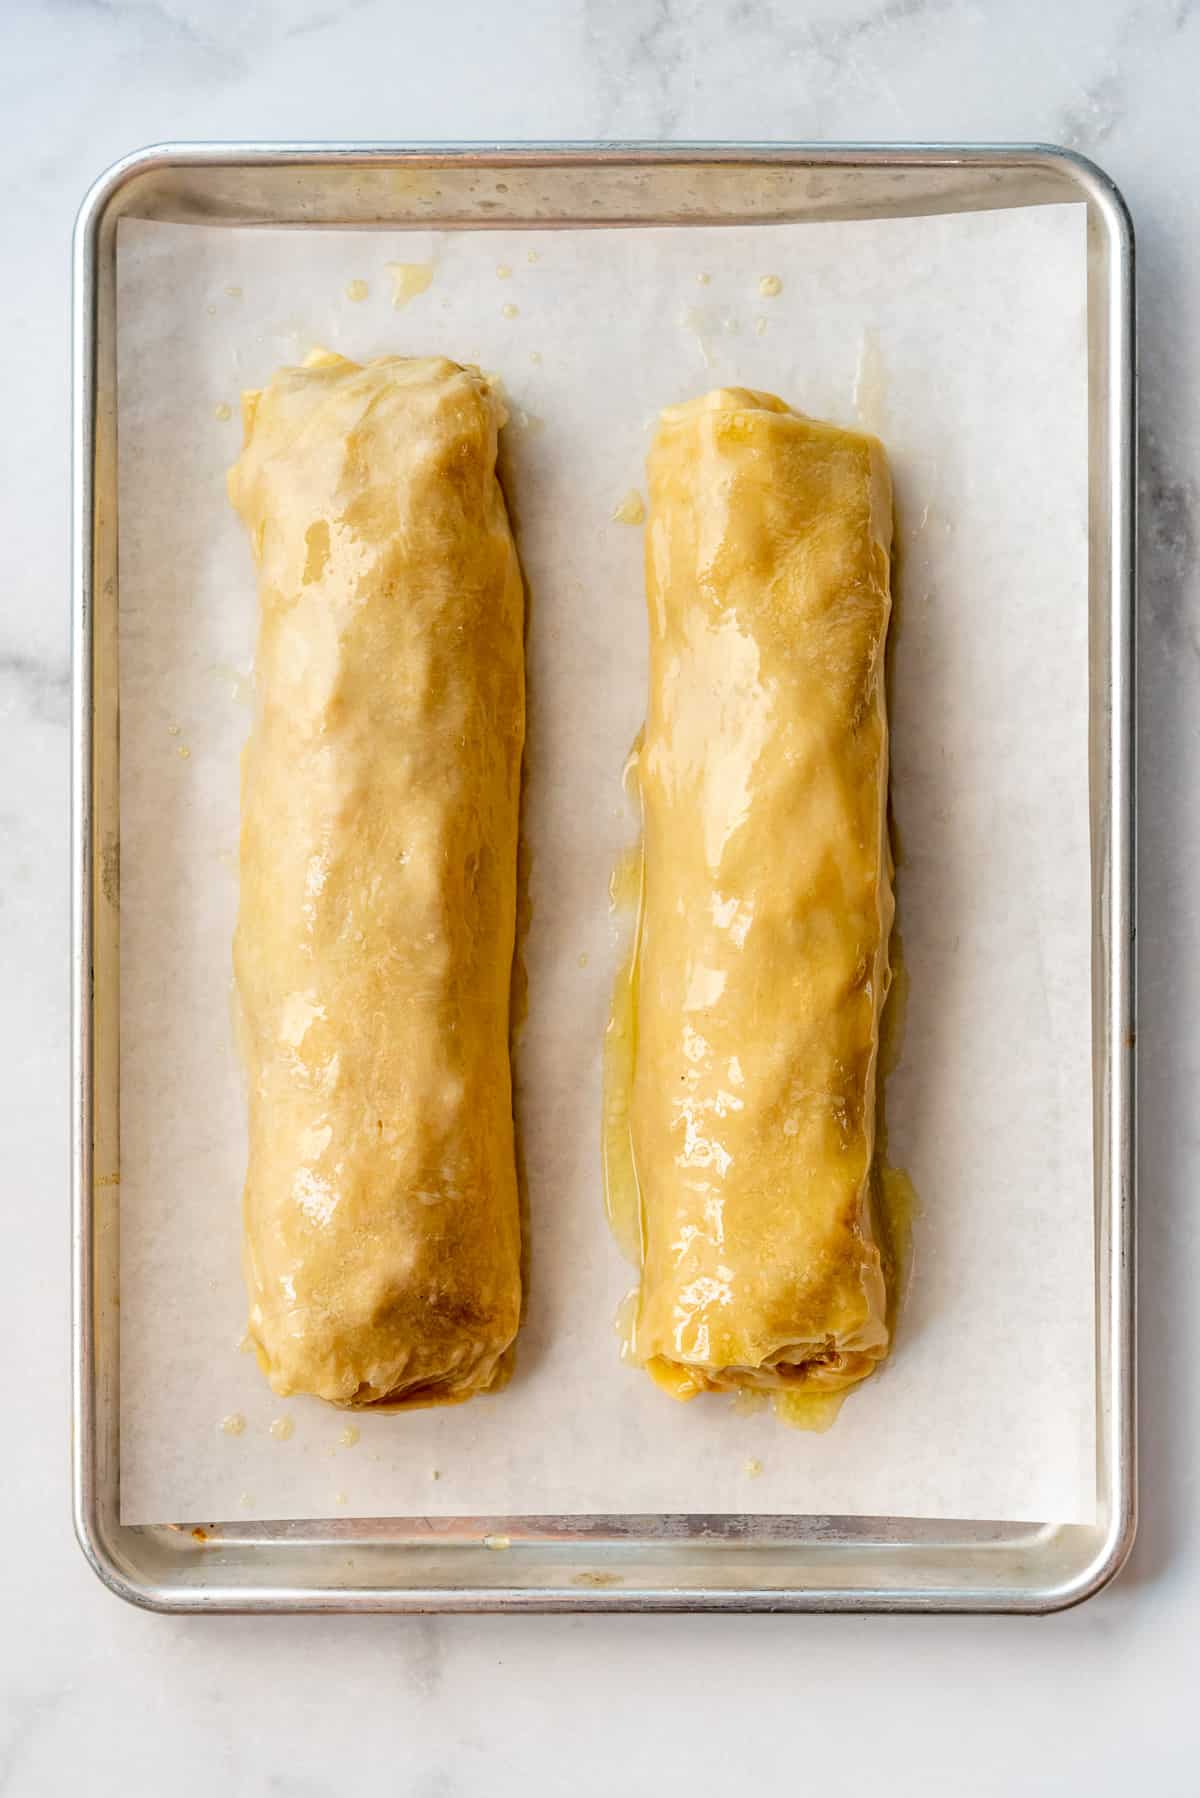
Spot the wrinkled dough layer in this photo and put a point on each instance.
(761, 965)
(374, 941)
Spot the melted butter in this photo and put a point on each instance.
(234, 1424)
(357, 291)
(222, 412)
(631, 509)
(747, 1401)
(693, 320)
(895, 1010)
(770, 287)
(622, 1198)
(283, 1429)
(754, 1469)
(806, 1408)
(510, 311)
(674, 1378)
(625, 881)
(895, 1203)
(503, 272)
(408, 280)
(625, 1324)
(898, 1206)
(348, 1437)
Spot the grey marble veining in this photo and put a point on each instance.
(99, 1699)
(1170, 522)
(41, 686)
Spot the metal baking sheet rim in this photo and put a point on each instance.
(620, 1563)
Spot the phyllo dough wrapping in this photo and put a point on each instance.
(375, 934)
(761, 960)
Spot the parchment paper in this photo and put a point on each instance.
(965, 340)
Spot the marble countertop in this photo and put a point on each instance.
(100, 1698)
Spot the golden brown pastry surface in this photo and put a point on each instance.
(760, 965)
(374, 941)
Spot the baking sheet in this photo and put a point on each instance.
(962, 340)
